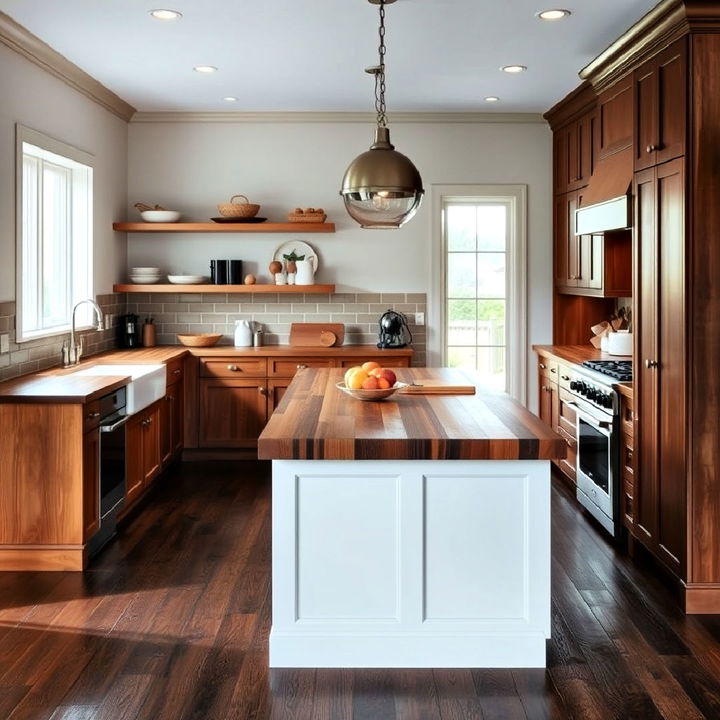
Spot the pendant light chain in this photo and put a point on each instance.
(380, 75)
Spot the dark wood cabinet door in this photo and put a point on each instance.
(561, 172)
(91, 483)
(615, 118)
(276, 392)
(232, 412)
(567, 250)
(661, 107)
(591, 262)
(177, 419)
(670, 304)
(134, 467)
(645, 378)
(151, 457)
(166, 447)
(660, 502)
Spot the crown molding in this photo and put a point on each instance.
(335, 117)
(31, 47)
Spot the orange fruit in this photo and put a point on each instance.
(350, 372)
(370, 384)
(383, 384)
(357, 379)
(370, 365)
(376, 372)
(389, 375)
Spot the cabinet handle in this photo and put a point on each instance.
(177, 372)
(301, 367)
(649, 364)
(565, 377)
(573, 277)
(92, 415)
(651, 149)
(233, 368)
(170, 398)
(542, 366)
(263, 390)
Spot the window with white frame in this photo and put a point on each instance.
(54, 235)
(483, 284)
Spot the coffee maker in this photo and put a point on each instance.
(394, 330)
(128, 331)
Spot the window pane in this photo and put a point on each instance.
(55, 245)
(461, 322)
(491, 322)
(491, 366)
(461, 227)
(30, 294)
(462, 357)
(491, 275)
(491, 227)
(462, 278)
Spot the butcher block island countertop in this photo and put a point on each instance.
(408, 532)
(318, 421)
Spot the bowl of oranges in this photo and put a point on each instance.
(370, 381)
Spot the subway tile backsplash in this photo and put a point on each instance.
(191, 313)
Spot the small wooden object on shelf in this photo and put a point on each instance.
(308, 215)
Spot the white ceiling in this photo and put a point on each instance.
(309, 55)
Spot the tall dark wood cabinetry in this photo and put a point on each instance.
(662, 76)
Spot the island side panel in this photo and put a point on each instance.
(410, 563)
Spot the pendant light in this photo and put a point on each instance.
(381, 188)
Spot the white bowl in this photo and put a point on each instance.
(144, 279)
(145, 271)
(187, 279)
(160, 216)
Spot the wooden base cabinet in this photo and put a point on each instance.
(143, 451)
(232, 412)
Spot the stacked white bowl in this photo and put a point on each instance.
(144, 275)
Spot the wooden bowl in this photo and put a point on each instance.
(199, 339)
(370, 395)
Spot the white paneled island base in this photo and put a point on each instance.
(410, 563)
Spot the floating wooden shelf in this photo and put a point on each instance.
(316, 289)
(211, 227)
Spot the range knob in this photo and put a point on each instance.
(574, 385)
(607, 401)
(581, 387)
(591, 394)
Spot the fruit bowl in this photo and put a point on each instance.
(368, 395)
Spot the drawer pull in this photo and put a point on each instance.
(233, 368)
(542, 366)
(649, 364)
(262, 390)
(301, 366)
(651, 149)
(93, 415)
(177, 372)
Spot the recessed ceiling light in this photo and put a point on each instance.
(230, 98)
(166, 14)
(205, 68)
(492, 98)
(555, 14)
(514, 68)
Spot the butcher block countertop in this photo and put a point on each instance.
(317, 421)
(61, 385)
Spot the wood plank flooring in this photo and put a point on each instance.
(172, 623)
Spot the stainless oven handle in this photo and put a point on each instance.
(114, 426)
(589, 419)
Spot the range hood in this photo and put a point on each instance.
(606, 201)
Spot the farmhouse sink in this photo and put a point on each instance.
(146, 386)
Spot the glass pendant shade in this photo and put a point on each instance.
(382, 188)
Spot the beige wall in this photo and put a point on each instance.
(32, 97)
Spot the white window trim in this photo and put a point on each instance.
(25, 134)
(517, 337)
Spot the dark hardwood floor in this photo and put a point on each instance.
(173, 619)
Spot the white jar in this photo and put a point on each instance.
(243, 334)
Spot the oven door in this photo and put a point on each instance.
(595, 461)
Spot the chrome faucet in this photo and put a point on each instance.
(74, 352)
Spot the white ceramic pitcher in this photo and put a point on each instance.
(243, 333)
(305, 271)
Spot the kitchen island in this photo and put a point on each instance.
(411, 532)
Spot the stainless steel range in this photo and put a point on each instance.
(597, 406)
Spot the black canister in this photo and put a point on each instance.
(235, 276)
(221, 272)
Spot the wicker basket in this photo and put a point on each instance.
(199, 339)
(239, 210)
(307, 217)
